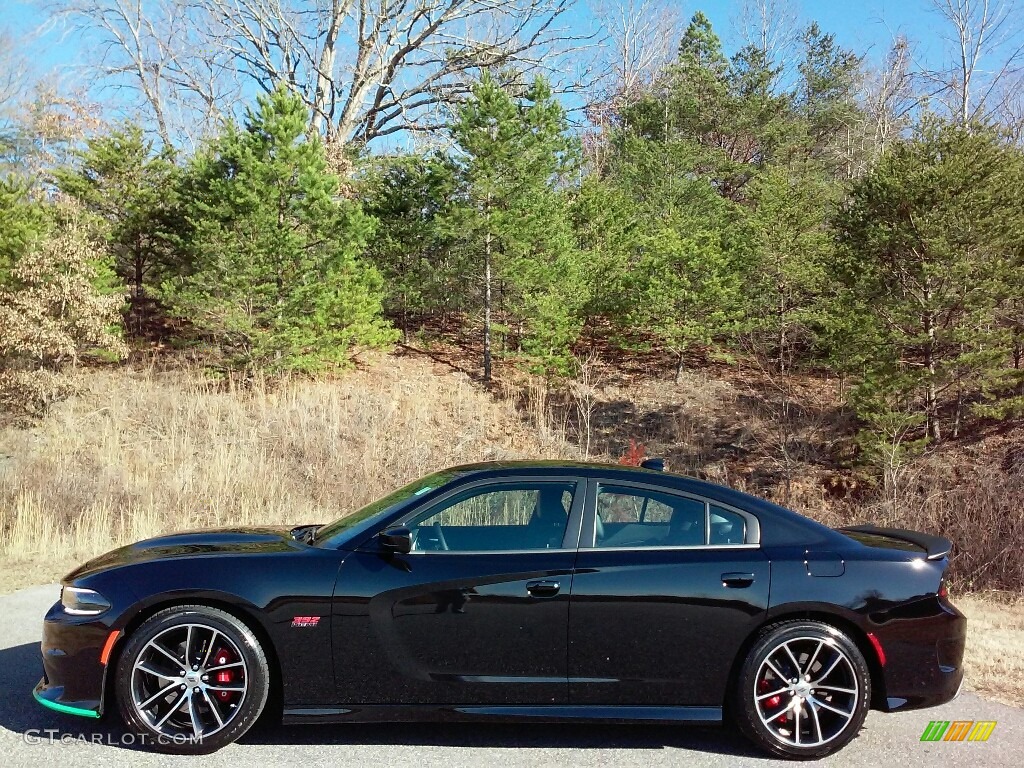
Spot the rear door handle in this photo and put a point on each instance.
(737, 579)
(543, 588)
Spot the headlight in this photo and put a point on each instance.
(82, 602)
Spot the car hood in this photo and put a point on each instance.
(219, 541)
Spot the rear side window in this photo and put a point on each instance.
(725, 526)
(629, 517)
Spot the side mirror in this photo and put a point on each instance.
(396, 540)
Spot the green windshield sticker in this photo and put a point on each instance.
(422, 490)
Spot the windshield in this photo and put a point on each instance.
(354, 524)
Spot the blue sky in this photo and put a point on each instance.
(867, 26)
(864, 25)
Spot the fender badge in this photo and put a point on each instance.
(305, 621)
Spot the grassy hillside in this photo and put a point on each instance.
(142, 452)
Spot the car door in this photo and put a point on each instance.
(667, 587)
(476, 613)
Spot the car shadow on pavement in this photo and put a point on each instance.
(528, 735)
(22, 668)
(20, 714)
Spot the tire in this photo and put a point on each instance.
(818, 714)
(227, 673)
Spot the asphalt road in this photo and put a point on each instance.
(31, 735)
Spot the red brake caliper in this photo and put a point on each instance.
(772, 702)
(224, 676)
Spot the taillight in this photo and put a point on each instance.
(943, 593)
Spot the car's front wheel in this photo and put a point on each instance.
(191, 679)
(803, 691)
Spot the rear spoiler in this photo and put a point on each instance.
(936, 546)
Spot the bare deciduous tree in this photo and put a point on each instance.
(365, 68)
(640, 37)
(771, 26)
(891, 95)
(986, 57)
(13, 72)
(155, 50)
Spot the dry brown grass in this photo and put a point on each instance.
(994, 660)
(140, 453)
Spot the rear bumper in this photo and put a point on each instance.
(924, 655)
(73, 674)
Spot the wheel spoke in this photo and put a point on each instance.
(225, 666)
(188, 647)
(209, 649)
(212, 704)
(165, 652)
(781, 712)
(814, 657)
(775, 669)
(817, 722)
(792, 658)
(834, 688)
(174, 707)
(154, 673)
(796, 722)
(193, 713)
(158, 695)
(235, 688)
(773, 693)
(839, 657)
(829, 707)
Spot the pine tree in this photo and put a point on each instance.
(411, 196)
(827, 98)
(928, 254)
(681, 283)
(276, 277)
(512, 224)
(23, 222)
(786, 280)
(120, 181)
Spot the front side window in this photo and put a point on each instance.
(500, 517)
(634, 517)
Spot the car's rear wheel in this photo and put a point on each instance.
(803, 691)
(191, 679)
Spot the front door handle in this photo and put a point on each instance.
(737, 579)
(543, 588)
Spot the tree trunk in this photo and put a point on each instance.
(679, 367)
(323, 107)
(140, 309)
(931, 396)
(487, 307)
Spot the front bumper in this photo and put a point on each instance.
(74, 673)
(52, 697)
(924, 656)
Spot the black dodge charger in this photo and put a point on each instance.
(518, 590)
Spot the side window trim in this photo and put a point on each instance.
(570, 541)
(588, 533)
